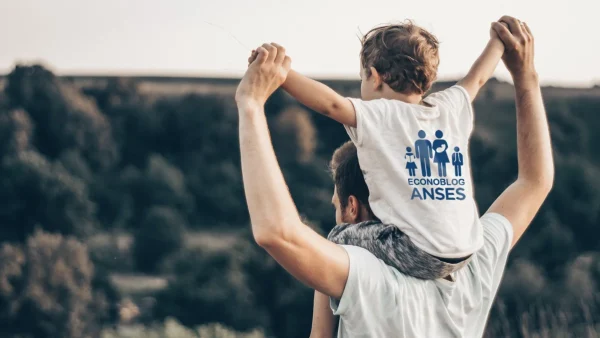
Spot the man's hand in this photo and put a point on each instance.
(518, 42)
(266, 72)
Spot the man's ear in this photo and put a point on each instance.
(376, 78)
(353, 208)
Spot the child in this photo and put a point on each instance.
(429, 219)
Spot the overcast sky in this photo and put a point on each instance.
(196, 38)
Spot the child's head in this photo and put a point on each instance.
(402, 56)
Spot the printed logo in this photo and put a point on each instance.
(440, 188)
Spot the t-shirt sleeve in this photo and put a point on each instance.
(365, 277)
(458, 101)
(369, 119)
(497, 240)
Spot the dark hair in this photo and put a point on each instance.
(348, 177)
(405, 55)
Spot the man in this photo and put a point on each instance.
(423, 151)
(371, 298)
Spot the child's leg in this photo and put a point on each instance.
(323, 323)
(394, 248)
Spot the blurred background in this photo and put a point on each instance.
(122, 211)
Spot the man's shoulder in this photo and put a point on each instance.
(360, 255)
(366, 266)
(497, 241)
(497, 230)
(368, 278)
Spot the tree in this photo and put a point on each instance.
(161, 183)
(200, 136)
(69, 119)
(160, 234)
(294, 136)
(46, 288)
(16, 131)
(35, 193)
(209, 287)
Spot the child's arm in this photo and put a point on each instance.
(484, 66)
(320, 98)
(323, 323)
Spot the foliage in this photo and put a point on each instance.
(173, 329)
(160, 234)
(153, 159)
(37, 193)
(46, 289)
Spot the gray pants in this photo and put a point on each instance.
(395, 249)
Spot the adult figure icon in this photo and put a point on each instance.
(457, 162)
(423, 151)
(441, 157)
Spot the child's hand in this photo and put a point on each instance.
(254, 54)
(493, 34)
(495, 39)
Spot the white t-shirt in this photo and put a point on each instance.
(415, 162)
(380, 302)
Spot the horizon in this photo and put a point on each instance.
(232, 77)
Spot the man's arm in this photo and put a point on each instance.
(521, 201)
(320, 98)
(276, 225)
(323, 322)
(484, 67)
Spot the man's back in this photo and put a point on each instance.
(378, 301)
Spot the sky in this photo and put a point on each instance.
(214, 38)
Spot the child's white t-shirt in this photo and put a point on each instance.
(415, 162)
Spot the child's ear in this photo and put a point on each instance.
(376, 78)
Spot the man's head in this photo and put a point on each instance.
(403, 57)
(351, 195)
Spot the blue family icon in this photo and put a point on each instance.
(423, 151)
(441, 157)
(410, 162)
(440, 187)
(457, 162)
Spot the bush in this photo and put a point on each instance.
(16, 129)
(35, 192)
(46, 289)
(65, 118)
(161, 233)
(209, 287)
(161, 183)
(173, 329)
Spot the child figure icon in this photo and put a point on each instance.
(410, 162)
(457, 162)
